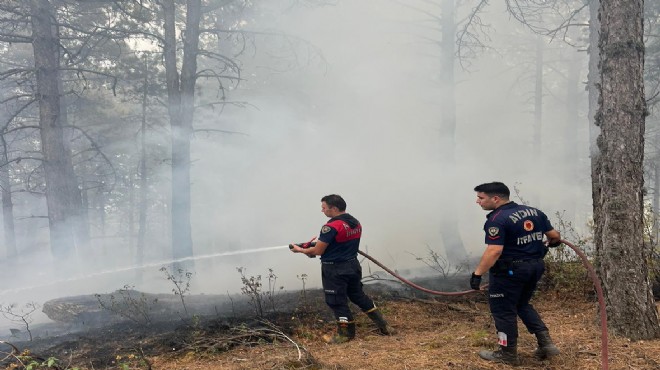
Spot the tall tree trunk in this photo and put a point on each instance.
(77, 214)
(451, 238)
(45, 45)
(173, 99)
(101, 202)
(7, 203)
(593, 81)
(656, 198)
(619, 232)
(571, 154)
(142, 201)
(130, 235)
(181, 98)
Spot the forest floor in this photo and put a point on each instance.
(432, 334)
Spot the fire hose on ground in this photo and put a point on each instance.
(585, 262)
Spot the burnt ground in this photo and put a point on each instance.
(433, 333)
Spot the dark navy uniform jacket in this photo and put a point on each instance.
(520, 229)
(342, 233)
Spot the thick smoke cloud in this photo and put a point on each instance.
(361, 119)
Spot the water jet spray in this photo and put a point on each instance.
(144, 265)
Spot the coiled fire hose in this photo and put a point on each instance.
(585, 262)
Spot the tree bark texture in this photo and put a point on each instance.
(656, 196)
(619, 225)
(47, 62)
(593, 90)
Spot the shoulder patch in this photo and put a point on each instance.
(493, 231)
(325, 229)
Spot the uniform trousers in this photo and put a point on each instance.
(511, 286)
(343, 281)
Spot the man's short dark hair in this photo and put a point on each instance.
(494, 188)
(334, 200)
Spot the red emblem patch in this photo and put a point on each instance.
(528, 225)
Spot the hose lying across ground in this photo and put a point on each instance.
(585, 262)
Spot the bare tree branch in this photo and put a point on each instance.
(468, 38)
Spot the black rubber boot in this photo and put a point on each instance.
(375, 315)
(506, 355)
(546, 347)
(345, 332)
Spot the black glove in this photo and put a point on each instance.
(554, 245)
(475, 281)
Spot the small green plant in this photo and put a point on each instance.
(196, 334)
(181, 280)
(303, 292)
(29, 362)
(129, 304)
(252, 288)
(133, 360)
(51, 362)
(22, 315)
(272, 286)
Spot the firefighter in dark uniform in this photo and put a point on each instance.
(338, 244)
(514, 261)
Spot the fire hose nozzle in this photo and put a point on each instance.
(304, 245)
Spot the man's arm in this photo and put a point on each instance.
(488, 259)
(554, 238)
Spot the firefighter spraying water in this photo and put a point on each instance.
(341, 273)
